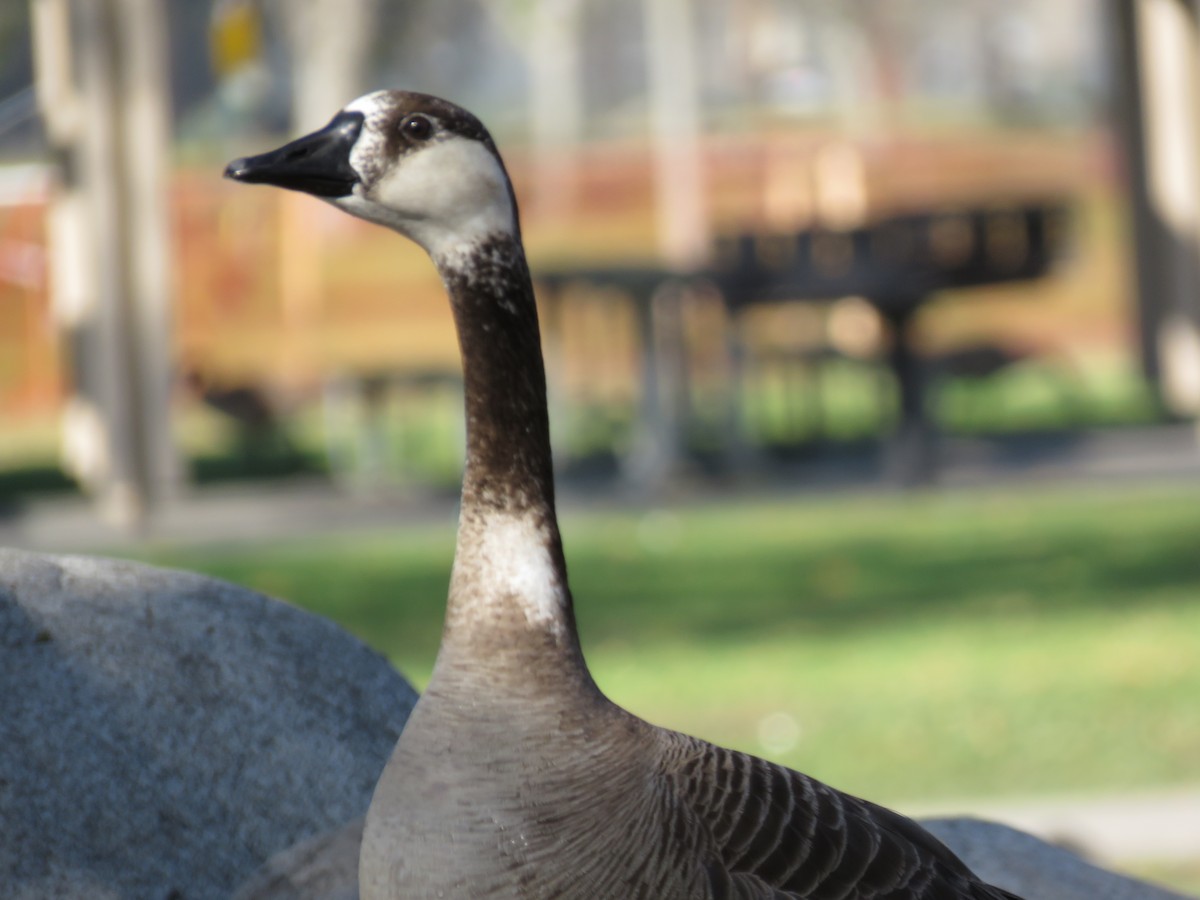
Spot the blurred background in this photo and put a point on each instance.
(872, 332)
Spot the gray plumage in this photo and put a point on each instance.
(516, 777)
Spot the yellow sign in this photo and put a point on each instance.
(235, 36)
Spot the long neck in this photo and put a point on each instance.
(509, 612)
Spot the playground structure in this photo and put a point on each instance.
(130, 305)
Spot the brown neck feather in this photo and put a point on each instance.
(491, 622)
(508, 466)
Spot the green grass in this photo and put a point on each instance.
(1182, 875)
(903, 647)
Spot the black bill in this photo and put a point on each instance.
(318, 163)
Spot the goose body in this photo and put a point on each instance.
(515, 777)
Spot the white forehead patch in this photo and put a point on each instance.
(376, 101)
(367, 154)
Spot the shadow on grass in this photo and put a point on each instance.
(872, 584)
(239, 467)
(18, 485)
(734, 575)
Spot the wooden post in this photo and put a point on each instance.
(555, 102)
(1158, 46)
(657, 447)
(107, 225)
(145, 122)
(684, 237)
(330, 43)
(675, 125)
(330, 40)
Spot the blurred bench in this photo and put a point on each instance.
(365, 424)
(896, 264)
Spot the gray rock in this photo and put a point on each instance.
(1033, 868)
(326, 867)
(162, 734)
(321, 868)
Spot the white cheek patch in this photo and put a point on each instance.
(448, 194)
(357, 205)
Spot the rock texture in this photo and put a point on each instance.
(1035, 869)
(321, 868)
(162, 734)
(169, 737)
(326, 867)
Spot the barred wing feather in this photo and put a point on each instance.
(780, 835)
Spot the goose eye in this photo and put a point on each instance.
(417, 127)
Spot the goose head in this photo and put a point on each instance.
(417, 164)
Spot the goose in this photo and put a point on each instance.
(515, 777)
